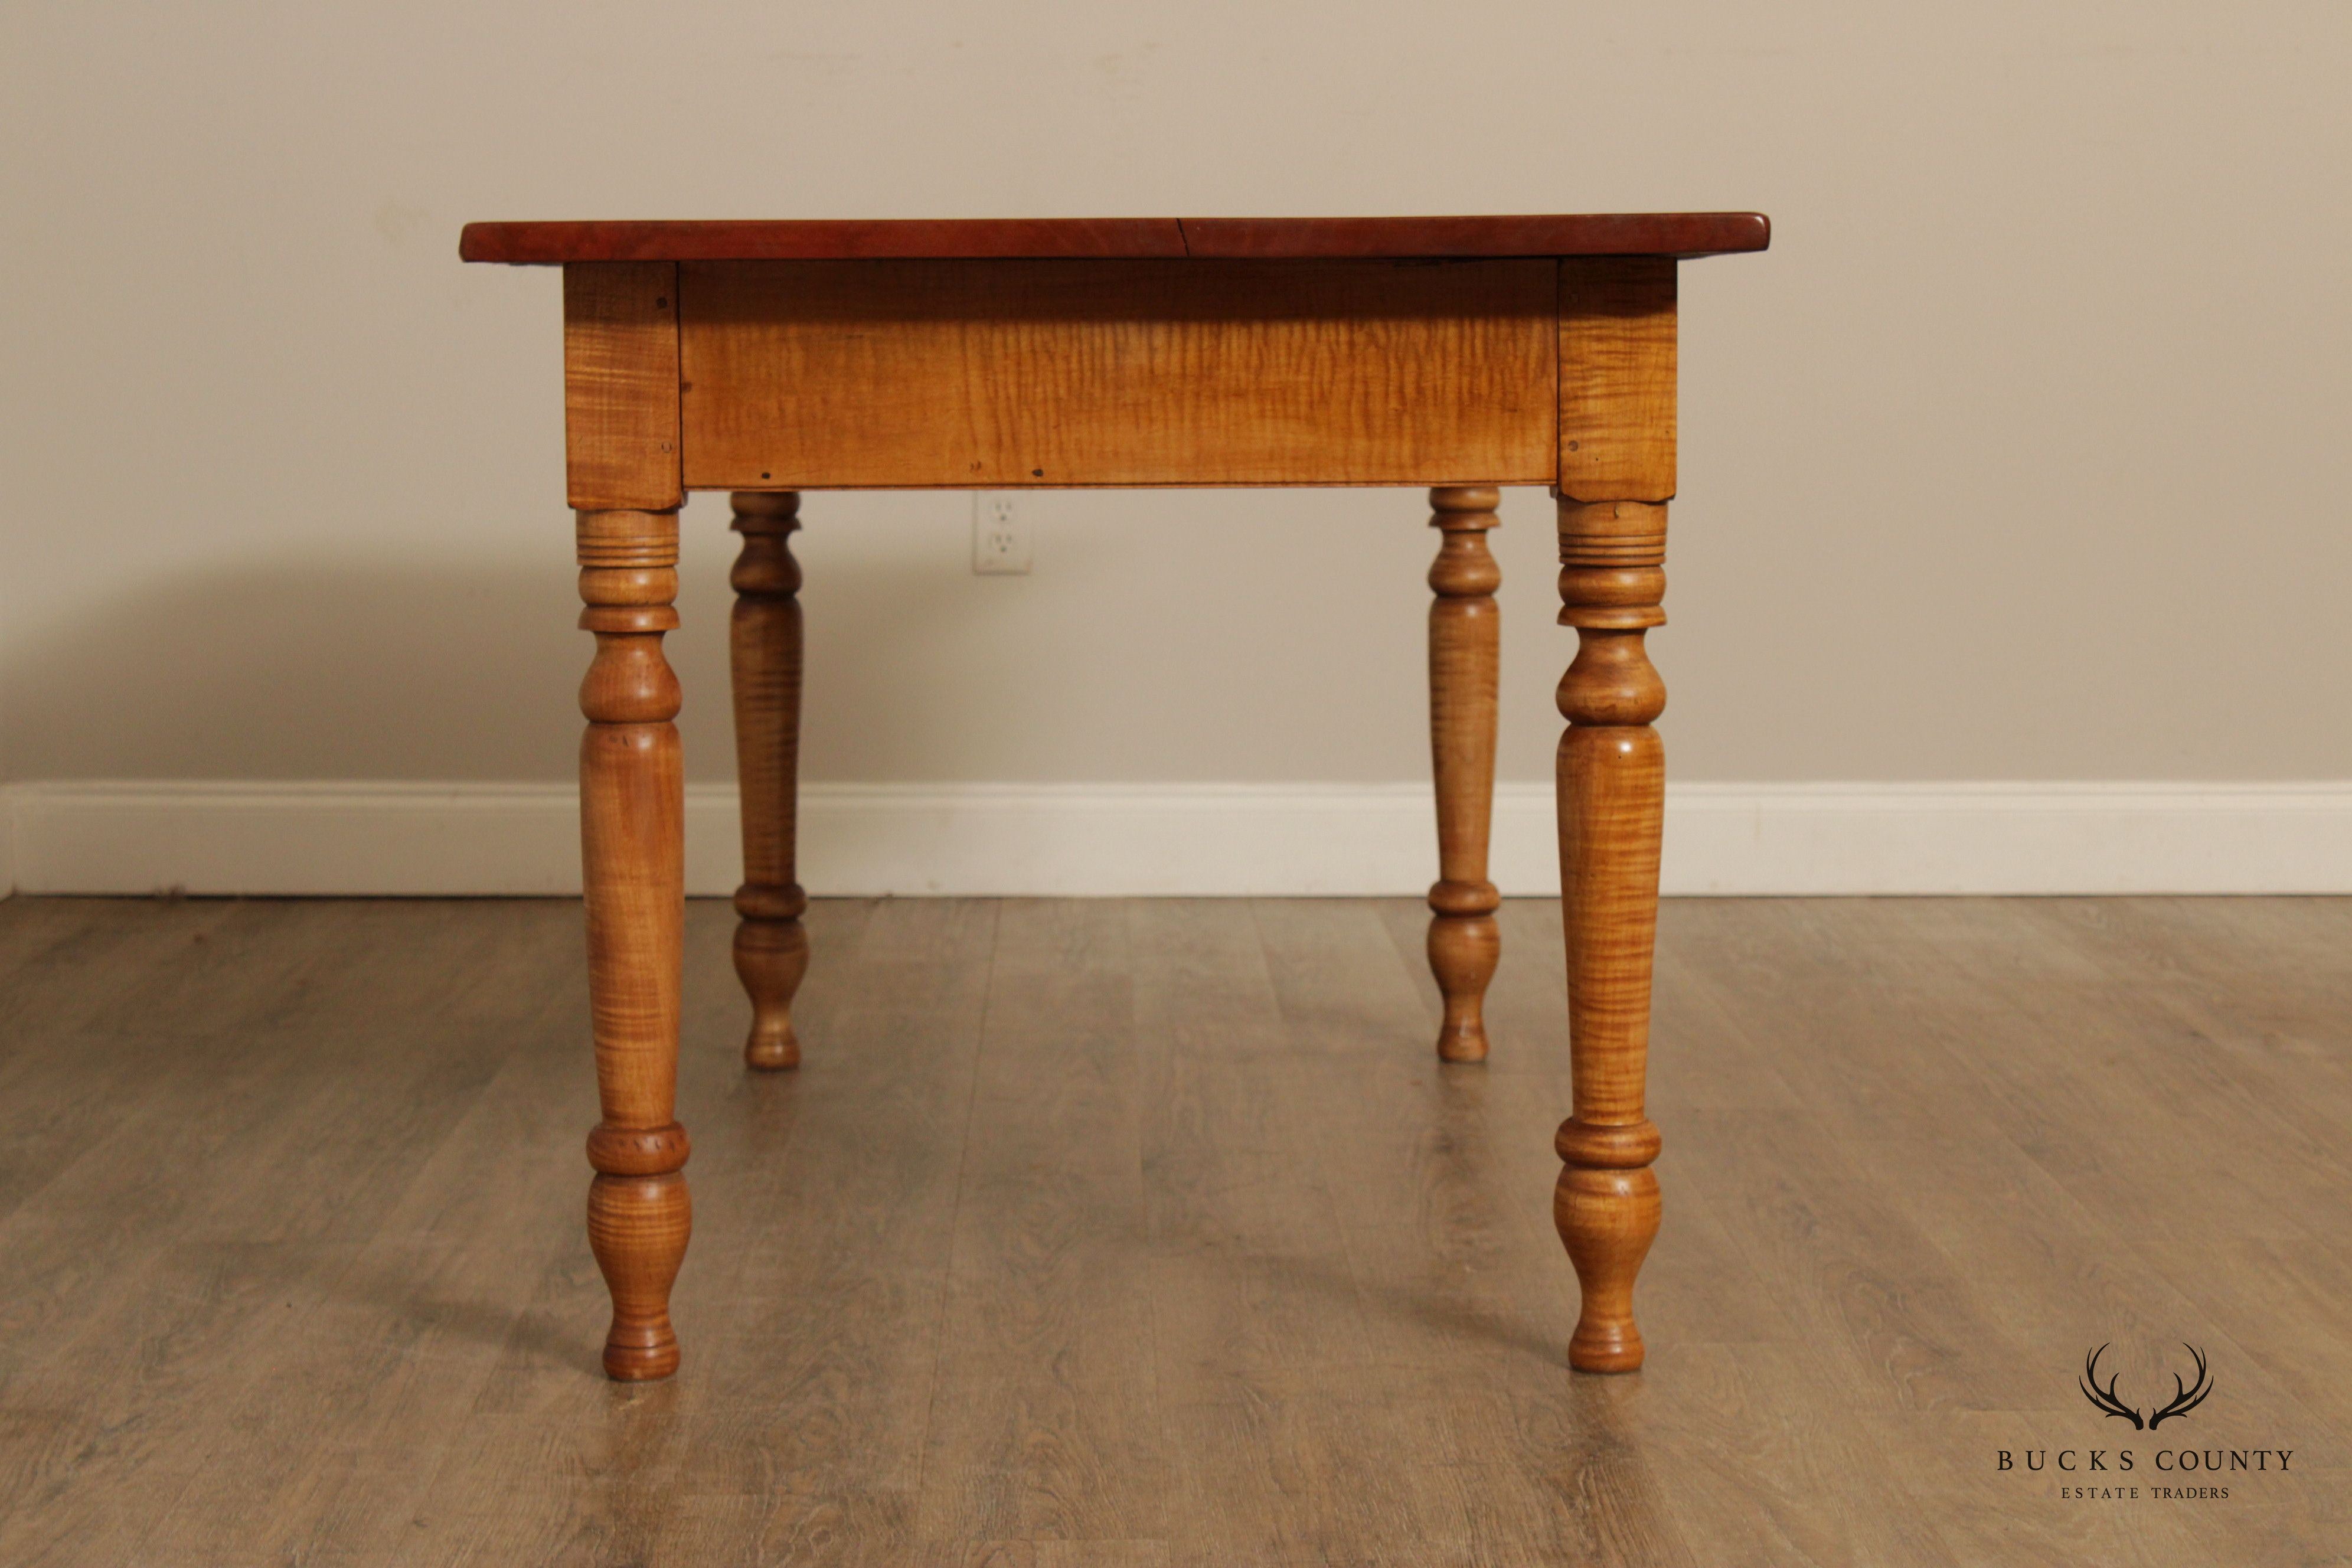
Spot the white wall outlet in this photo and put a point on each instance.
(999, 535)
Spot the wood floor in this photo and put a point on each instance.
(1110, 1233)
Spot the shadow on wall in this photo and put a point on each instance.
(400, 671)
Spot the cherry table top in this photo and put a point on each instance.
(1264, 238)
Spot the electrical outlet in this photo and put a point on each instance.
(999, 535)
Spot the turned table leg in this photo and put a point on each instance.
(1617, 472)
(1611, 782)
(1464, 663)
(771, 947)
(633, 848)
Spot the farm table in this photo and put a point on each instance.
(1458, 353)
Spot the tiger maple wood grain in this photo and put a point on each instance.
(621, 440)
(1617, 333)
(633, 854)
(999, 374)
(1611, 772)
(1617, 373)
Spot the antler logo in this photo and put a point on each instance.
(2186, 1397)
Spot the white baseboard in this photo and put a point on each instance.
(1110, 839)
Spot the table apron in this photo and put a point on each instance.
(998, 374)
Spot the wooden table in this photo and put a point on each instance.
(1459, 353)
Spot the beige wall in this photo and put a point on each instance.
(2022, 455)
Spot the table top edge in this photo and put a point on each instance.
(1682, 235)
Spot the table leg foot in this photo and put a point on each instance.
(637, 1227)
(771, 955)
(1607, 1217)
